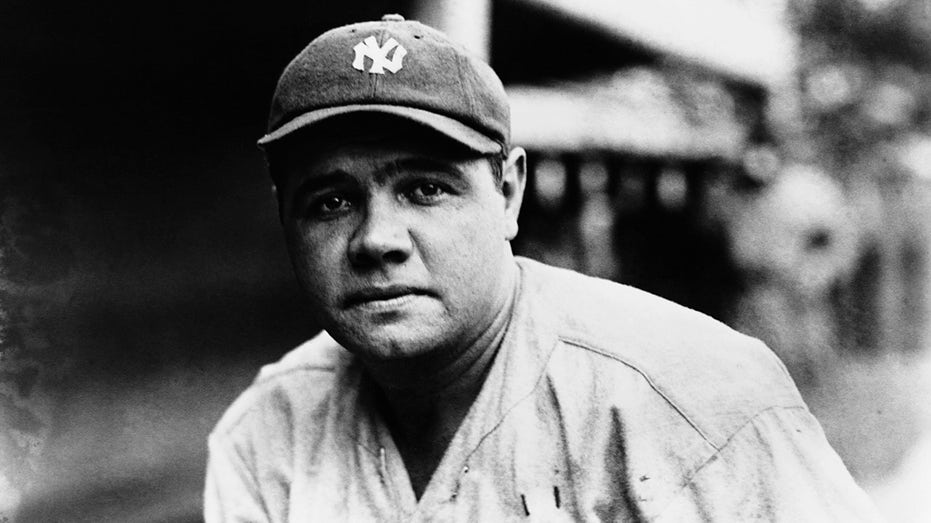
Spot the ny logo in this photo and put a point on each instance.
(379, 55)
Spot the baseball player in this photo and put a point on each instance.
(454, 381)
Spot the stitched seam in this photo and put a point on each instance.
(649, 381)
(691, 477)
(507, 413)
(284, 372)
(467, 88)
(372, 76)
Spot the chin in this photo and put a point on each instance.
(388, 343)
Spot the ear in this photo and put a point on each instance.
(513, 181)
(277, 195)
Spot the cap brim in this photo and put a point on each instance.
(449, 127)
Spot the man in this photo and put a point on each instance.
(455, 382)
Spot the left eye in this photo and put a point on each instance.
(426, 192)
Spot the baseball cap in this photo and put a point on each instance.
(392, 67)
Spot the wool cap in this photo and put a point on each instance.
(395, 67)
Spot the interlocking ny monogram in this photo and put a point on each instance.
(379, 55)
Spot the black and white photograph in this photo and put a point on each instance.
(465, 261)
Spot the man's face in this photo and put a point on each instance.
(402, 246)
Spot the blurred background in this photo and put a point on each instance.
(767, 162)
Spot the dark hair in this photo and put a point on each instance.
(497, 161)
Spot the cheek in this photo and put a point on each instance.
(484, 228)
(314, 256)
(471, 242)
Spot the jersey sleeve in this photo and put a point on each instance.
(777, 467)
(231, 493)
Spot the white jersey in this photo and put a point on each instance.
(604, 403)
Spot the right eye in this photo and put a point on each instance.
(330, 206)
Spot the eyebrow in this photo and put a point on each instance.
(420, 164)
(384, 173)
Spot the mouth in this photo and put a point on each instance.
(387, 296)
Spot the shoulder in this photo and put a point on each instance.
(715, 377)
(302, 379)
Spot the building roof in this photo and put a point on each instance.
(747, 40)
(641, 111)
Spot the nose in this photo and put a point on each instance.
(382, 237)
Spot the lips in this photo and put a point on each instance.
(383, 294)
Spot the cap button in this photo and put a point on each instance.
(392, 18)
